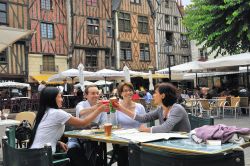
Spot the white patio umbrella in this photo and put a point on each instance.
(14, 85)
(108, 73)
(102, 82)
(81, 76)
(71, 73)
(126, 73)
(234, 60)
(86, 83)
(150, 78)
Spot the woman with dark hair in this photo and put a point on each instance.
(172, 116)
(50, 120)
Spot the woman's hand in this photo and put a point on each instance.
(142, 128)
(117, 106)
(63, 146)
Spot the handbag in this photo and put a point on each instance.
(23, 131)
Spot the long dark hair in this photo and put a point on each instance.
(170, 93)
(47, 100)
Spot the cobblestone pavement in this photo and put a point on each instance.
(242, 121)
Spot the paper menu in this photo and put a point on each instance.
(137, 136)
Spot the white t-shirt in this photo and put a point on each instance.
(125, 121)
(51, 128)
(100, 119)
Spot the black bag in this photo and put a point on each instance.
(23, 131)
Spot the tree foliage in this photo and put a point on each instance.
(223, 25)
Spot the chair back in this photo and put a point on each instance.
(235, 101)
(26, 157)
(205, 104)
(11, 135)
(244, 102)
(221, 101)
(29, 116)
(199, 121)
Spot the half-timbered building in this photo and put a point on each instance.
(14, 59)
(91, 34)
(134, 34)
(171, 31)
(48, 52)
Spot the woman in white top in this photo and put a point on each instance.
(50, 120)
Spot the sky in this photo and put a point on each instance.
(185, 2)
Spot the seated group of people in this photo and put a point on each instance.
(50, 120)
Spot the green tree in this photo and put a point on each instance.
(223, 25)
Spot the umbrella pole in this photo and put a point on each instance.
(247, 77)
(105, 85)
(196, 79)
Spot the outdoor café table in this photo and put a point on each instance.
(3, 125)
(188, 146)
(98, 137)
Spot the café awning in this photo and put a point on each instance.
(45, 77)
(10, 35)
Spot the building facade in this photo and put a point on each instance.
(14, 59)
(48, 53)
(169, 30)
(91, 34)
(134, 34)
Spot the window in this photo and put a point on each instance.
(169, 37)
(113, 61)
(124, 22)
(172, 60)
(92, 2)
(144, 52)
(47, 30)
(109, 28)
(125, 52)
(185, 59)
(107, 59)
(3, 56)
(93, 26)
(46, 4)
(166, 3)
(135, 1)
(142, 24)
(91, 59)
(203, 54)
(48, 63)
(184, 41)
(175, 20)
(167, 19)
(3, 13)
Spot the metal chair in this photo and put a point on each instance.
(233, 106)
(244, 104)
(28, 157)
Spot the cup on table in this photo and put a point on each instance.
(106, 102)
(107, 129)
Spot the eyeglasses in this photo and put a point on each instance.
(127, 90)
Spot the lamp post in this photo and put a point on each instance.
(168, 49)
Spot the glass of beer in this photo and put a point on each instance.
(107, 129)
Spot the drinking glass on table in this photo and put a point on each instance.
(6, 113)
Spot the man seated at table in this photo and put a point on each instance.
(76, 146)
